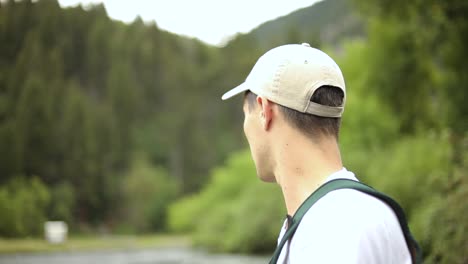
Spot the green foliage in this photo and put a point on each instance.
(186, 214)
(411, 98)
(23, 204)
(411, 167)
(62, 202)
(235, 204)
(147, 192)
(367, 122)
(79, 93)
(429, 65)
(450, 216)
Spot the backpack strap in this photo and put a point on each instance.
(336, 184)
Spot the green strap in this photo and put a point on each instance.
(349, 184)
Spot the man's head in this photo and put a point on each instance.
(312, 126)
(295, 86)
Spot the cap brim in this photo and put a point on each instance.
(235, 91)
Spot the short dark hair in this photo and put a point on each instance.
(250, 98)
(311, 125)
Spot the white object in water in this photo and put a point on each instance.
(56, 231)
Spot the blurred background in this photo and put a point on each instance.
(117, 128)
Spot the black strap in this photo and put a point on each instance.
(336, 184)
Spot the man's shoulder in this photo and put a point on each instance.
(349, 206)
(348, 215)
(362, 228)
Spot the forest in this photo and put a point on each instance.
(119, 128)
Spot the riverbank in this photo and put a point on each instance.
(91, 243)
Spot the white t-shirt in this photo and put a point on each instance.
(346, 226)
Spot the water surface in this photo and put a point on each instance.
(143, 256)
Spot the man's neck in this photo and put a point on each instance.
(303, 166)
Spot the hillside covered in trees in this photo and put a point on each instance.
(120, 127)
(84, 100)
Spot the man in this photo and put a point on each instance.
(293, 102)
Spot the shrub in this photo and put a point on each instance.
(23, 205)
(147, 192)
(235, 212)
(447, 223)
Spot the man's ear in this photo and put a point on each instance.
(266, 112)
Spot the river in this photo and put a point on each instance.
(144, 256)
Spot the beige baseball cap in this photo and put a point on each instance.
(290, 74)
